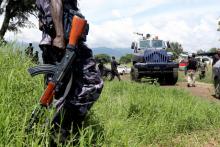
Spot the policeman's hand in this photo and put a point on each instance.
(59, 42)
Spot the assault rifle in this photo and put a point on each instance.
(58, 71)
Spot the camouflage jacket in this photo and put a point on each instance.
(44, 14)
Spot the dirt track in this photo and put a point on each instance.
(201, 90)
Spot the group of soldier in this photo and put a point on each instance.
(29, 53)
(114, 71)
(194, 65)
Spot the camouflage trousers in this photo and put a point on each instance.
(81, 88)
(115, 73)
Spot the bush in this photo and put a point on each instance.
(104, 57)
(126, 59)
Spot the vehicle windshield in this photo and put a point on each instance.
(157, 44)
(151, 44)
(145, 44)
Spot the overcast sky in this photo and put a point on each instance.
(193, 23)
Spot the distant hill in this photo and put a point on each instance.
(117, 52)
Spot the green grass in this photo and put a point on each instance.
(208, 78)
(127, 114)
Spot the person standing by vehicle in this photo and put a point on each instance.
(191, 71)
(83, 85)
(202, 68)
(114, 65)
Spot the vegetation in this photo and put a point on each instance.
(213, 49)
(200, 51)
(176, 48)
(104, 57)
(126, 59)
(208, 78)
(16, 13)
(127, 114)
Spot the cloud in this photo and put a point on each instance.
(111, 33)
(116, 13)
(193, 28)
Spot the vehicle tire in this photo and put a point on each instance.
(135, 75)
(172, 78)
(162, 80)
(217, 87)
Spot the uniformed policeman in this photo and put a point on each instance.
(83, 85)
(191, 71)
(29, 51)
(114, 65)
(35, 58)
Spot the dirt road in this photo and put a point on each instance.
(201, 90)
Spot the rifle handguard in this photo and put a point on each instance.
(47, 97)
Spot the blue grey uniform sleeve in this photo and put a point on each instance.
(45, 18)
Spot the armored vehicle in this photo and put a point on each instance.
(150, 59)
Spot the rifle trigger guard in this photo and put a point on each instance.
(42, 69)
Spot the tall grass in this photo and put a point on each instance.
(127, 114)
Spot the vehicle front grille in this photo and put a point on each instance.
(156, 56)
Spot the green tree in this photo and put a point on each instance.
(176, 48)
(16, 13)
(214, 49)
(200, 51)
(126, 59)
(106, 58)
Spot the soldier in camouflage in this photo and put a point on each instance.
(29, 51)
(35, 58)
(83, 86)
(114, 65)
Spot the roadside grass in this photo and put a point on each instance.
(207, 138)
(208, 78)
(127, 113)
